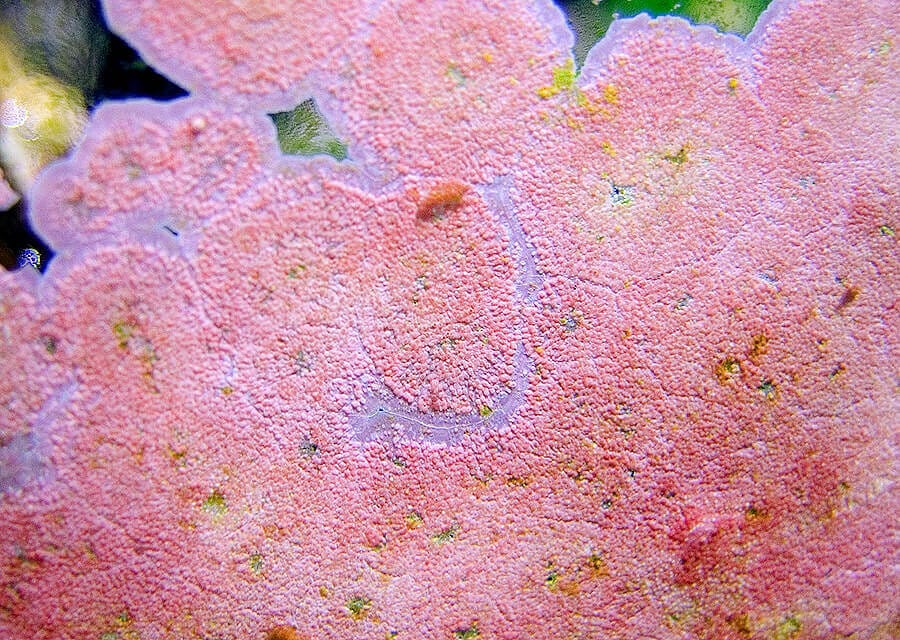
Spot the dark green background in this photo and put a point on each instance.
(591, 18)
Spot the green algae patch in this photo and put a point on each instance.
(121, 628)
(215, 505)
(302, 362)
(303, 131)
(552, 579)
(563, 80)
(679, 157)
(518, 481)
(572, 320)
(446, 535)
(564, 76)
(768, 390)
(590, 19)
(413, 520)
(467, 633)
(129, 340)
(755, 514)
(759, 346)
(358, 607)
(295, 272)
(787, 629)
(123, 332)
(178, 457)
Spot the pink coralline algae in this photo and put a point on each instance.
(608, 353)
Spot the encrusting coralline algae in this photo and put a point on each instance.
(608, 354)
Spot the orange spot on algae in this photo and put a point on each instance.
(597, 565)
(850, 295)
(441, 200)
(759, 345)
(284, 632)
(611, 94)
(727, 369)
(413, 520)
(518, 481)
(740, 622)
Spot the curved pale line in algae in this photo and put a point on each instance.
(387, 419)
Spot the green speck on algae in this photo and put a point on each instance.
(768, 390)
(679, 157)
(123, 332)
(467, 633)
(215, 504)
(414, 520)
(563, 80)
(446, 535)
(358, 607)
(552, 579)
(787, 629)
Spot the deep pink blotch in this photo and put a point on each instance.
(608, 360)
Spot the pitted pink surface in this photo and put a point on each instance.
(605, 359)
(248, 51)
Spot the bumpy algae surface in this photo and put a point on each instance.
(556, 352)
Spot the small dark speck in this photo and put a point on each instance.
(850, 295)
(308, 449)
(683, 303)
(767, 276)
(768, 390)
(620, 195)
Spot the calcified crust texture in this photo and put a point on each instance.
(606, 356)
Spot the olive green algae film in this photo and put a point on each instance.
(590, 19)
(304, 131)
